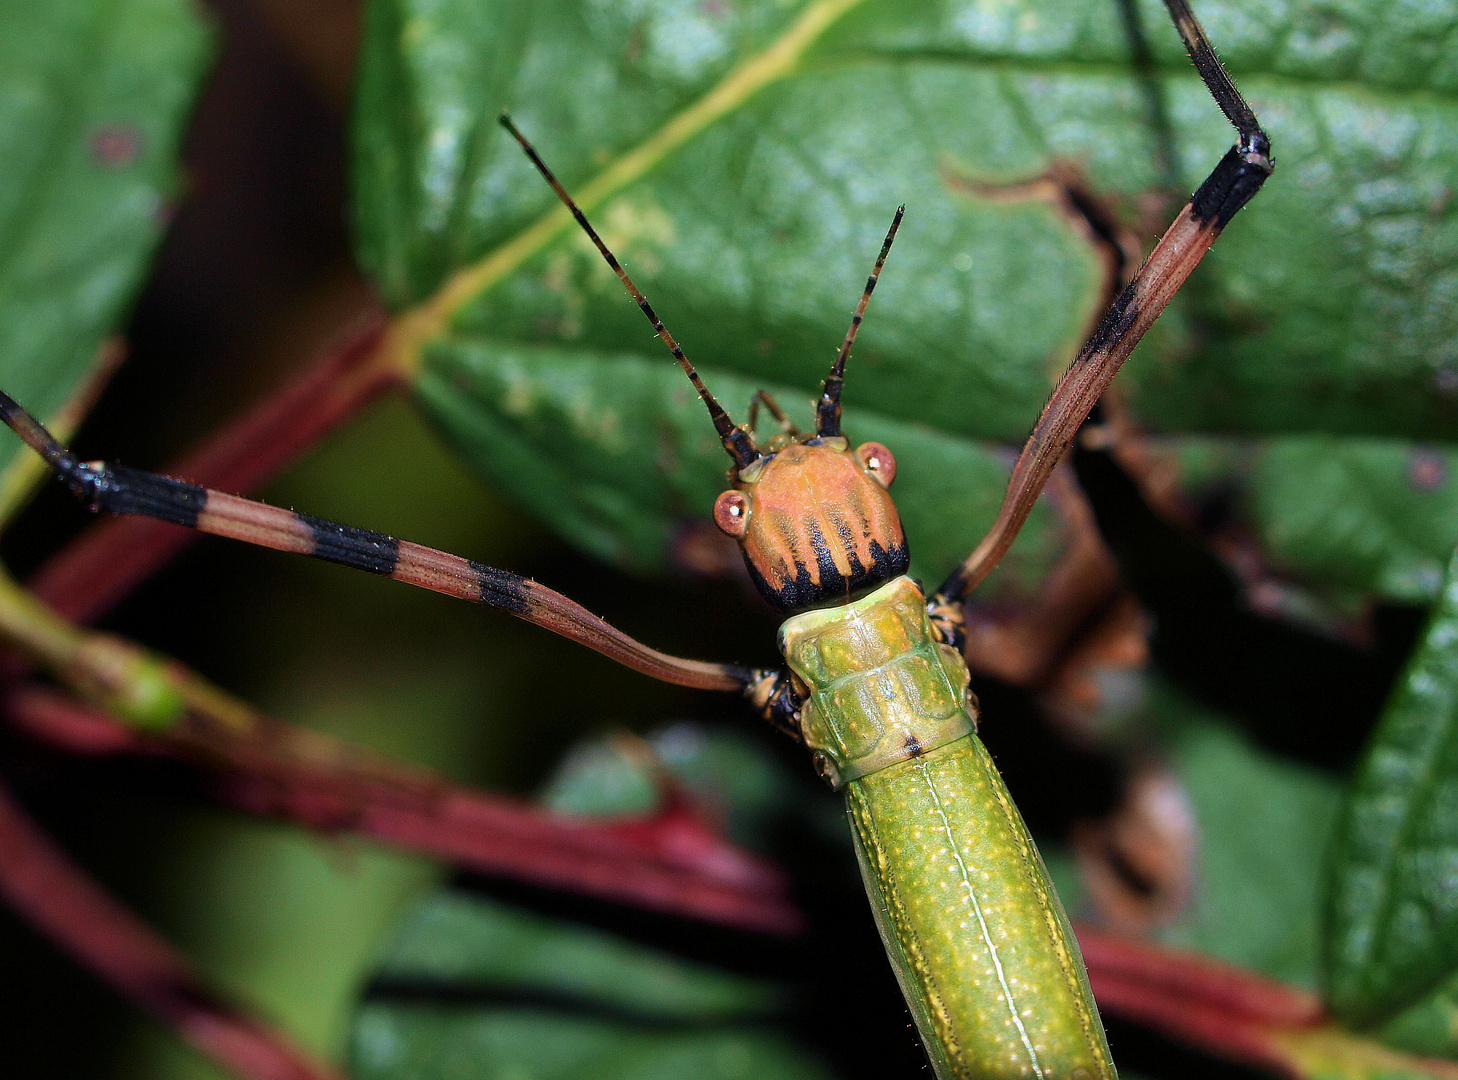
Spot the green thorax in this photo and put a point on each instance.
(881, 687)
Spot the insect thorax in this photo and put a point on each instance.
(882, 688)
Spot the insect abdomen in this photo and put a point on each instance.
(982, 948)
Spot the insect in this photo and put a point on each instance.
(876, 686)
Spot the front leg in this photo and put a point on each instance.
(777, 696)
(117, 489)
(1230, 185)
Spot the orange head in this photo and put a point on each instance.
(815, 521)
(813, 517)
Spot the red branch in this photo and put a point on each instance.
(1223, 1009)
(84, 580)
(671, 862)
(50, 891)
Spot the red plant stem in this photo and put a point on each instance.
(1190, 977)
(58, 899)
(1223, 1009)
(671, 862)
(87, 578)
(1194, 1023)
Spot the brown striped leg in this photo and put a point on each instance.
(1230, 186)
(117, 489)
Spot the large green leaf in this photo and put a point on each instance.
(1326, 307)
(1352, 516)
(93, 94)
(1263, 824)
(1392, 918)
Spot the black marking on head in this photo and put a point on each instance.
(824, 557)
(913, 746)
(834, 588)
(503, 589)
(843, 529)
(360, 549)
(120, 490)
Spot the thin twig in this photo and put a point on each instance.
(57, 898)
(670, 862)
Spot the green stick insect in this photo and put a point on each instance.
(876, 685)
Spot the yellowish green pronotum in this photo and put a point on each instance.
(876, 687)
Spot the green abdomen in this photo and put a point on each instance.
(977, 935)
(981, 946)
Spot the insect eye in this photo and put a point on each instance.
(879, 462)
(731, 513)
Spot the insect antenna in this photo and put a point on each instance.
(827, 413)
(739, 443)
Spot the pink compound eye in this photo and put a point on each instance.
(731, 513)
(879, 462)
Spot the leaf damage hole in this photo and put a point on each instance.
(1063, 186)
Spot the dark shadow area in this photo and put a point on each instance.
(1306, 696)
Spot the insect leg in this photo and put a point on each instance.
(1229, 186)
(765, 398)
(117, 489)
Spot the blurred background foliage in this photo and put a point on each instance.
(1341, 526)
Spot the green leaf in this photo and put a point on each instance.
(557, 1000)
(1350, 516)
(462, 940)
(1392, 898)
(1430, 1026)
(425, 1044)
(1371, 515)
(93, 95)
(1326, 307)
(1263, 824)
(472, 988)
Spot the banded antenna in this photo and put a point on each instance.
(738, 442)
(827, 413)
